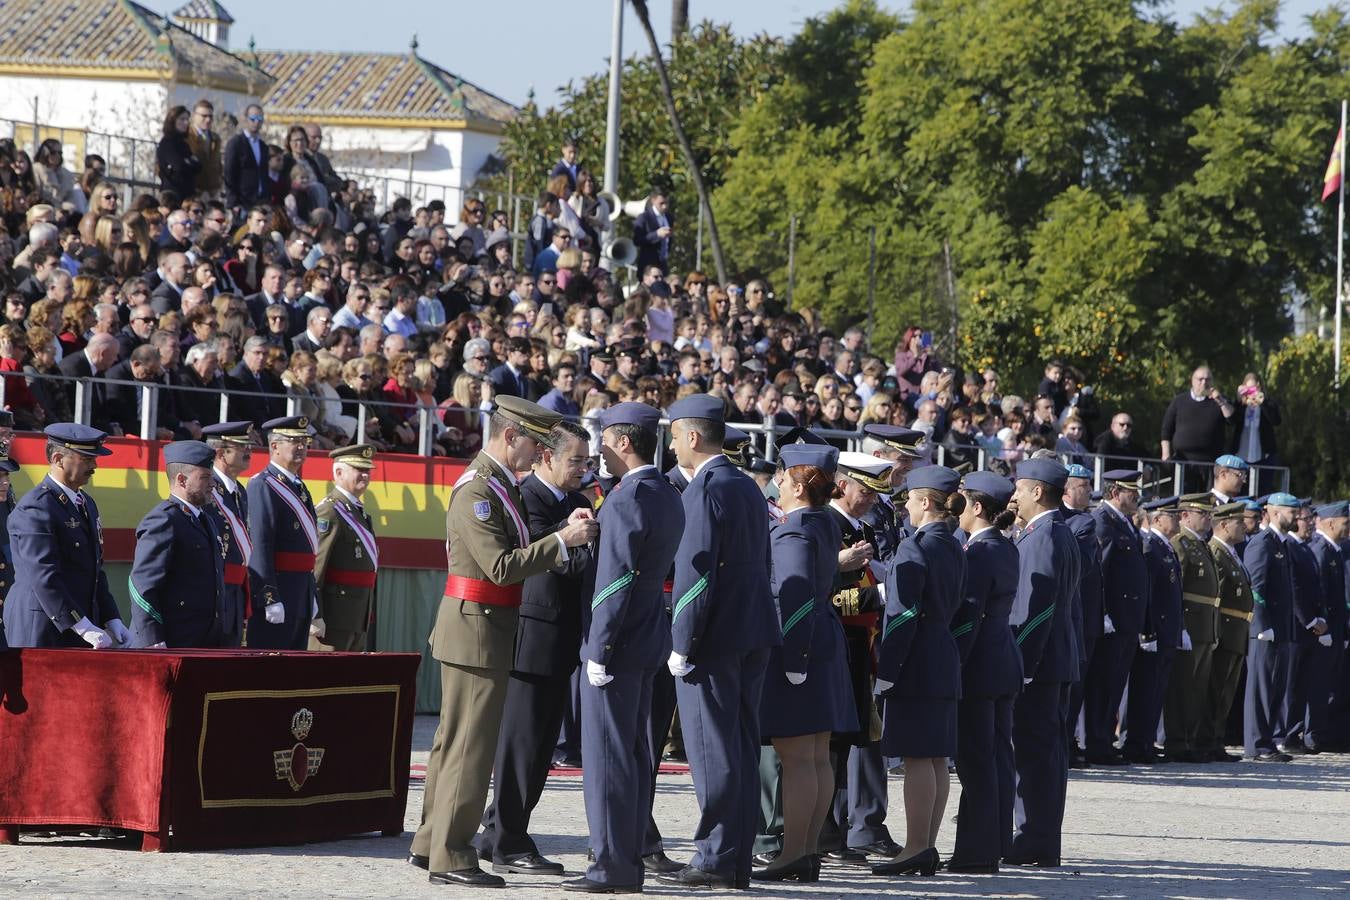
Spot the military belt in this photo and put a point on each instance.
(1236, 613)
(1199, 598)
(476, 590)
(235, 573)
(350, 577)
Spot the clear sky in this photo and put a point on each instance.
(509, 46)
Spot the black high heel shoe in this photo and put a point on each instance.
(803, 868)
(924, 863)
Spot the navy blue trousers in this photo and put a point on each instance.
(617, 751)
(662, 714)
(858, 815)
(1299, 697)
(1265, 701)
(719, 717)
(984, 763)
(1104, 685)
(1149, 675)
(1042, 762)
(232, 616)
(1076, 692)
(1325, 670)
(295, 590)
(569, 735)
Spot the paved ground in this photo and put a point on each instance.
(1234, 830)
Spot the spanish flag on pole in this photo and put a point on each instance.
(1331, 181)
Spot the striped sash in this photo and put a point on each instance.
(302, 513)
(238, 528)
(362, 533)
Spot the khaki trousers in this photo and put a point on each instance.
(459, 770)
(347, 641)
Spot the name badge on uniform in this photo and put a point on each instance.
(482, 509)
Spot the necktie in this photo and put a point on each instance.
(84, 510)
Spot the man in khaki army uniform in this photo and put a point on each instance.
(344, 569)
(1235, 616)
(1188, 692)
(490, 554)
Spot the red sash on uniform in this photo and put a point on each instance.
(476, 590)
(294, 562)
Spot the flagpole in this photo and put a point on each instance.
(1340, 258)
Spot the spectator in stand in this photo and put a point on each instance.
(1194, 428)
(913, 360)
(1043, 419)
(205, 145)
(961, 442)
(1052, 385)
(324, 173)
(251, 380)
(1070, 441)
(1253, 432)
(567, 166)
(177, 165)
(540, 233)
(201, 369)
(651, 232)
(137, 330)
(48, 394)
(55, 183)
(1118, 444)
(244, 167)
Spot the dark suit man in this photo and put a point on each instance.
(1271, 641)
(723, 626)
(509, 378)
(548, 639)
(251, 380)
(92, 362)
(1077, 497)
(1151, 672)
(177, 581)
(245, 161)
(651, 233)
(625, 635)
(1042, 612)
(1125, 601)
(60, 596)
(1311, 615)
(125, 400)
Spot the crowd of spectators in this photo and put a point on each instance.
(258, 270)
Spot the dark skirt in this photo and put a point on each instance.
(824, 702)
(919, 727)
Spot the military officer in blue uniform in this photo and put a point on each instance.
(918, 665)
(1326, 543)
(7, 468)
(1125, 602)
(625, 635)
(60, 596)
(902, 448)
(1046, 581)
(1160, 638)
(177, 581)
(285, 537)
(1270, 645)
(1311, 616)
(723, 625)
(228, 509)
(991, 678)
(1078, 516)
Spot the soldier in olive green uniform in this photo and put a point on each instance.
(490, 553)
(344, 569)
(1235, 616)
(1187, 704)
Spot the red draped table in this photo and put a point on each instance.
(206, 748)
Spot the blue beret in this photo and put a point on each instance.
(698, 406)
(935, 478)
(1231, 461)
(1047, 471)
(1252, 505)
(1283, 499)
(825, 458)
(82, 439)
(230, 432)
(991, 483)
(630, 413)
(189, 453)
(1077, 471)
(1339, 509)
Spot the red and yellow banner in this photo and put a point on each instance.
(407, 499)
(1331, 181)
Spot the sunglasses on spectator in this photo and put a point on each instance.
(382, 308)
(143, 319)
(365, 375)
(255, 118)
(480, 358)
(546, 281)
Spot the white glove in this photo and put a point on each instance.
(595, 674)
(1108, 627)
(1026, 681)
(1325, 640)
(93, 635)
(1148, 646)
(678, 665)
(1267, 635)
(1185, 639)
(275, 613)
(318, 628)
(160, 646)
(795, 677)
(883, 686)
(1317, 621)
(118, 631)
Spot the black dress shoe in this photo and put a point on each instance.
(590, 856)
(845, 857)
(1293, 748)
(658, 863)
(584, 885)
(417, 859)
(924, 863)
(1222, 755)
(961, 868)
(1147, 757)
(1041, 862)
(529, 864)
(474, 877)
(884, 847)
(1107, 759)
(1079, 760)
(697, 878)
(764, 859)
(800, 869)
(567, 763)
(1271, 756)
